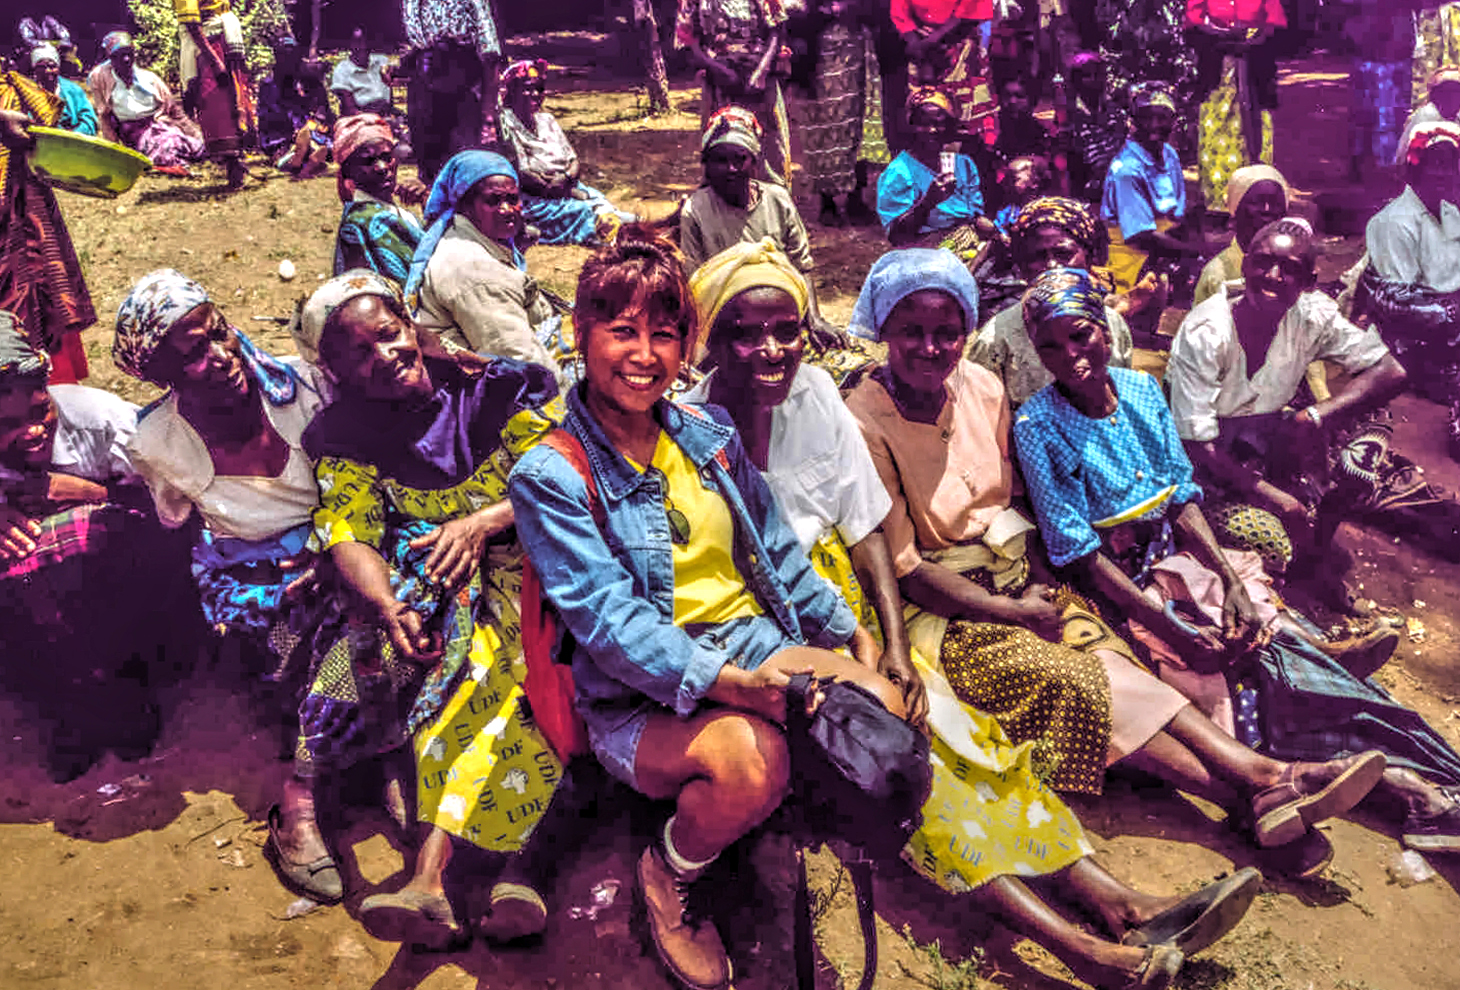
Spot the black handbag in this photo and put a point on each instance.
(859, 776)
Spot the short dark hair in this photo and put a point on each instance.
(640, 265)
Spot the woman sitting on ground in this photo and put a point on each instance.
(938, 430)
(412, 459)
(76, 111)
(923, 203)
(800, 435)
(468, 283)
(564, 209)
(224, 445)
(1048, 233)
(684, 645)
(137, 109)
(1116, 503)
(375, 232)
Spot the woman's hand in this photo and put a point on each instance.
(407, 630)
(412, 192)
(1038, 612)
(897, 667)
(1241, 626)
(762, 690)
(307, 578)
(457, 546)
(18, 533)
(943, 187)
(13, 130)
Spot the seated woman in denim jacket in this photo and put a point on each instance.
(691, 600)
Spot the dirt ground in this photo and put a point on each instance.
(141, 875)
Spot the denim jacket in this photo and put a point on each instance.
(614, 587)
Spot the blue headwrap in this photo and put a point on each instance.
(898, 274)
(464, 170)
(1063, 292)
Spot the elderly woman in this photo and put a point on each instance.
(1113, 490)
(1049, 232)
(1144, 202)
(41, 283)
(801, 436)
(224, 446)
(412, 459)
(938, 430)
(918, 199)
(375, 232)
(736, 46)
(137, 108)
(468, 283)
(687, 594)
(554, 200)
(76, 111)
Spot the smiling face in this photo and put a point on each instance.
(27, 425)
(1075, 350)
(123, 60)
(201, 355)
(46, 73)
(372, 167)
(630, 361)
(728, 171)
(369, 350)
(494, 206)
(757, 343)
(1048, 247)
(1260, 206)
(1276, 270)
(924, 334)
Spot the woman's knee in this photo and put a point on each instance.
(747, 757)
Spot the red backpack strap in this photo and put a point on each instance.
(549, 683)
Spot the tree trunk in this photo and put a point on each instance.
(648, 29)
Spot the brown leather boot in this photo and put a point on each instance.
(689, 947)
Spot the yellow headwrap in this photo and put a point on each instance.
(747, 265)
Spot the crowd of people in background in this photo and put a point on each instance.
(969, 501)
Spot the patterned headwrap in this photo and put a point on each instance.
(463, 171)
(309, 327)
(1248, 176)
(732, 125)
(898, 274)
(1063, 292)
(44, 53)
(154, 306)
(743, 266)
(19, 358)
(350, 134)
(115, 42)
(1429, 134)
(1070, 216)
(1151, 94)
(931, 96)
(522, 71)
(1443, 75)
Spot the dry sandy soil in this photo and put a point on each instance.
(151, 874)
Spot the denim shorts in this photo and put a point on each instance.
(614, 731)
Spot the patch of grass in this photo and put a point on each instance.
(940, 973)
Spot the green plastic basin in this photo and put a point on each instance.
(86, 165)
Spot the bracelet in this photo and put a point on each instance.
(1313, 415)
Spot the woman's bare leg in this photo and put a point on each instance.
(1196, 756)
(1121, 908)
(1026, 915)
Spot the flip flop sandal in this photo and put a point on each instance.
(516, 911)
(1156, 972)
(411, 916)
(1202, 918)
(319, 880)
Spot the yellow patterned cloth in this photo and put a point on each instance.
(988, 815)
(1222, 142)
(20, 92)
(1437, 44)
(484, 771)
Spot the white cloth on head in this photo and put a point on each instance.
(93, 428)
(1408, 244)
(174, 461)
(819, 467)
(1207, 374)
